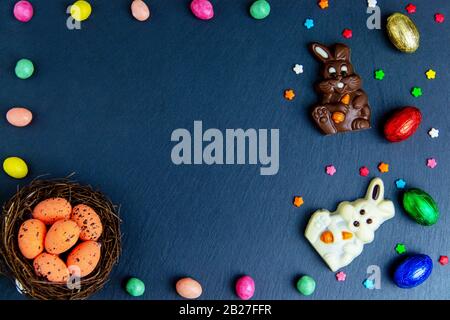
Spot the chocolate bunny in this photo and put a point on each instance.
(344, 105)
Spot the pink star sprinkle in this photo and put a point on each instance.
(439, 17)
(347, 33)
(443, 260)
(340, 276)
(431, 163)
(364, 171)
(330, 170)
(410, 8)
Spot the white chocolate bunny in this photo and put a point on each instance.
(339, 237)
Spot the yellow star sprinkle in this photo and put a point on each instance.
(431, 74)
(323, 4)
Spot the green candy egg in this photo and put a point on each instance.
(260, 9)
(306, 285)
(135, 287)
(24, 68)
(421, 207)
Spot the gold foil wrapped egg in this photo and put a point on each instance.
(403, 33)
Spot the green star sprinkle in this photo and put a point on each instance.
(400, 248)
(379, 74)
(416, 92)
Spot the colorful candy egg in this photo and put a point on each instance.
(80, 10)
(188, 288)
(245, 287)
(19, 117)
(24, 68)
(135, 287)
(202, 9)
(51, 267)
(51, 210)
(402, 124)
(88, 221)
(61, 236)
(23, 11)
(413, 271)
(140, 10)
(15, 167)
(403, 33)
(84, 257)
(260, 9)
(421, 207)
(306, 285)
(31, 238)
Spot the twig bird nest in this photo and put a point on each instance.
(19, 269)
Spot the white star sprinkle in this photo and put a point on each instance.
(434, 133)
(371, 3)
(298, 68)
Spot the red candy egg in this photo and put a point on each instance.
(402, 124)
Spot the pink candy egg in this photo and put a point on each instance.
(140, 10)
(23, 11)
(19, 117)
(202, 9)
(245, 287)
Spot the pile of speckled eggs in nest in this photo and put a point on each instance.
(61, 240)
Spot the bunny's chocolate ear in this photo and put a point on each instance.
(342, 52)
(321, 52)
(375, 191)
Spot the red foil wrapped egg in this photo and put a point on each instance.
(402, 124)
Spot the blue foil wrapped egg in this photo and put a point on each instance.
(413, 271)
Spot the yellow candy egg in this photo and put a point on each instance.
(15, 167)
(84, 258)
(31, 238)
(80, 10)
(61, 236)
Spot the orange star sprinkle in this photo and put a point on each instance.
(323, 4)
(383, 167)
(298, 201)
(289, 94)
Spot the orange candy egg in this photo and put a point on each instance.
(61, 236)
(31, 238)
(51, 267)
(88, 221)
(85, 256)
(51, 210)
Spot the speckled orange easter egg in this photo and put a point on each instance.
(61, 236)
(31, 238)
(85, 256)
(88, 221)
(51, 210)
(51, 267)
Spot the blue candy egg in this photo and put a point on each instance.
(413, 271)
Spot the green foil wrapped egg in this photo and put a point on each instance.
(421, 207)
(403, 33)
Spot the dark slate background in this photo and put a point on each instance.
(106, 99)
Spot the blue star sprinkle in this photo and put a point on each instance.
(400, 183)
(309, 23)
(369, 284)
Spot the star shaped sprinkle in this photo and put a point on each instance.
(369, 284)
(341, 276)
(371, 3)
(431, 74)
(289, 94)
(416, 92)
(400, 248)
(400, 183)
(364, 171)
(439, 18)
(433, 133)
(298, 201)
(347, 33)
(383, 167)
(323, 4)
(298, 68)
(410, 8)
(379, 74)
(443, 260)
(309, 23)
(330, 170)
(431, 163)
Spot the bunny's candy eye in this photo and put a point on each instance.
(362, 212)
(344, 68)
(369, 221)
(356, 223)
(331, 70)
